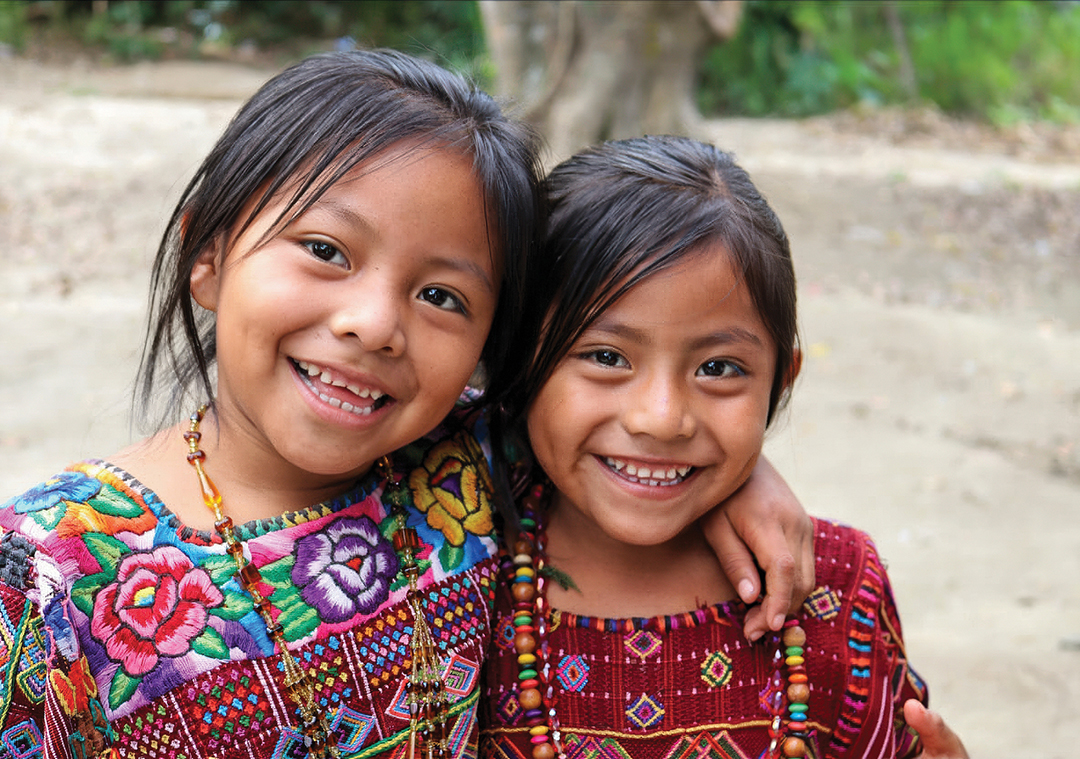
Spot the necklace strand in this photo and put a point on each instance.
(427, 699)
(525, 571)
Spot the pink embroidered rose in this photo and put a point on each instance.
(156, 607)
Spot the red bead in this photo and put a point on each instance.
(406, 538)
(196, 456)
(250, 575)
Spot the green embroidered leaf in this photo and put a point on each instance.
(106, 549)
(278, 573)
(112, 502)
(298, 619)
(220, 568)
(235, 605)
(123, 688)
(83, 590)
(50, 517)
(451, 555)
(210, 643)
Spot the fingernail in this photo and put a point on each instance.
(746, 590)
(777, 622)
(756, 635)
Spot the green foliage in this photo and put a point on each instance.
(1003, 61)
(12, 23)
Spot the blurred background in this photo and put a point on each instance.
(923, 156)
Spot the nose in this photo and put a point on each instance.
(658, 406)
(373, 314)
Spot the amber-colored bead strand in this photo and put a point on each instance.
(313, 725)
(427, 699)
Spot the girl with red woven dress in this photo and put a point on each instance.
(303, 565)
(664, 304)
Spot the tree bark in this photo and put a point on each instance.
(588, 71)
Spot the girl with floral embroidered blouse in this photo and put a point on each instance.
(304, 566)
(664, 310)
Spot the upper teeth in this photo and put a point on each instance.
(325, 377)
(651, 475)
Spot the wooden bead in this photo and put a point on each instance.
(794, 636)
(530, 699)
(524, 643)
(523, 546)
(798, 693)
(793, 747)
(523, 591)
(543, 751)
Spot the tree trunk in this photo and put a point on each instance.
(589, 71)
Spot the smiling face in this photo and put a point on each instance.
(658, 411)
(352, 331)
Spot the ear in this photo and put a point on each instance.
(794, 368)
(205, 279)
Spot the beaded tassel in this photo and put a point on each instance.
(318, 738)
(798, 689)
(428, 700)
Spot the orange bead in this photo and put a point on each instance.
(523, 546)
(530, 699)
(794, 747)
(524, 643)
(798, 677)
(798, 693)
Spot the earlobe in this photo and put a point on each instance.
(205, 279)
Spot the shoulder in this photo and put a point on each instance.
(844, 555)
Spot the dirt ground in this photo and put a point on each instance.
(939, 406)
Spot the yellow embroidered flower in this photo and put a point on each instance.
(453, 487)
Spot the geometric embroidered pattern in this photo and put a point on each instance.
(460, 675)
(452, 609)
(643, 643)
(645, 712)
(153, 733)
(352, 728)
(380, 645)
(21, 741)
(589, 747)
(573, 673)
(399, 707)
(325, 662)
(706, 746)
(509, 707)
(823, 603)
(458, 740)
(716, 669)
(504, 634)
(33, 671)
(229, 704)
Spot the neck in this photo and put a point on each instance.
(617, 580)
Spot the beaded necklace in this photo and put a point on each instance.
(427, 699)
(537, 696)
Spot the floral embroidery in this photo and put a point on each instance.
(346, 569)
(66, 486)
(156, 607)
(453, 491)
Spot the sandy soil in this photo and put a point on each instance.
(939, 406)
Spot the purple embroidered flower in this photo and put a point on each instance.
(66, 486)
(346, 569)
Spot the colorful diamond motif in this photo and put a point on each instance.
(573, 673)
(509, 707)
(504, 634)
(22, 741)
(645, 712)
(460, 675)
(823, 603)
(352, 728)
(643, 643)
(589, 747)
(399, 707)
(716, 669)
(706, 746)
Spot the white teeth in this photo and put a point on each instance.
(334, 402)
(656, 478)
(326, 378)
(346, 406)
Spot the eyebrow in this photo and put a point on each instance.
(720, 337)
(349, 216)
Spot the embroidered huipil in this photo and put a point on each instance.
(691, 686)
(124, 633)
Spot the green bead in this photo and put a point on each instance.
(527, 674)
(523, 620)
(797, 708)
(793, 651)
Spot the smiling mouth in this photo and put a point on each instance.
(655, 476)
(337, 392)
